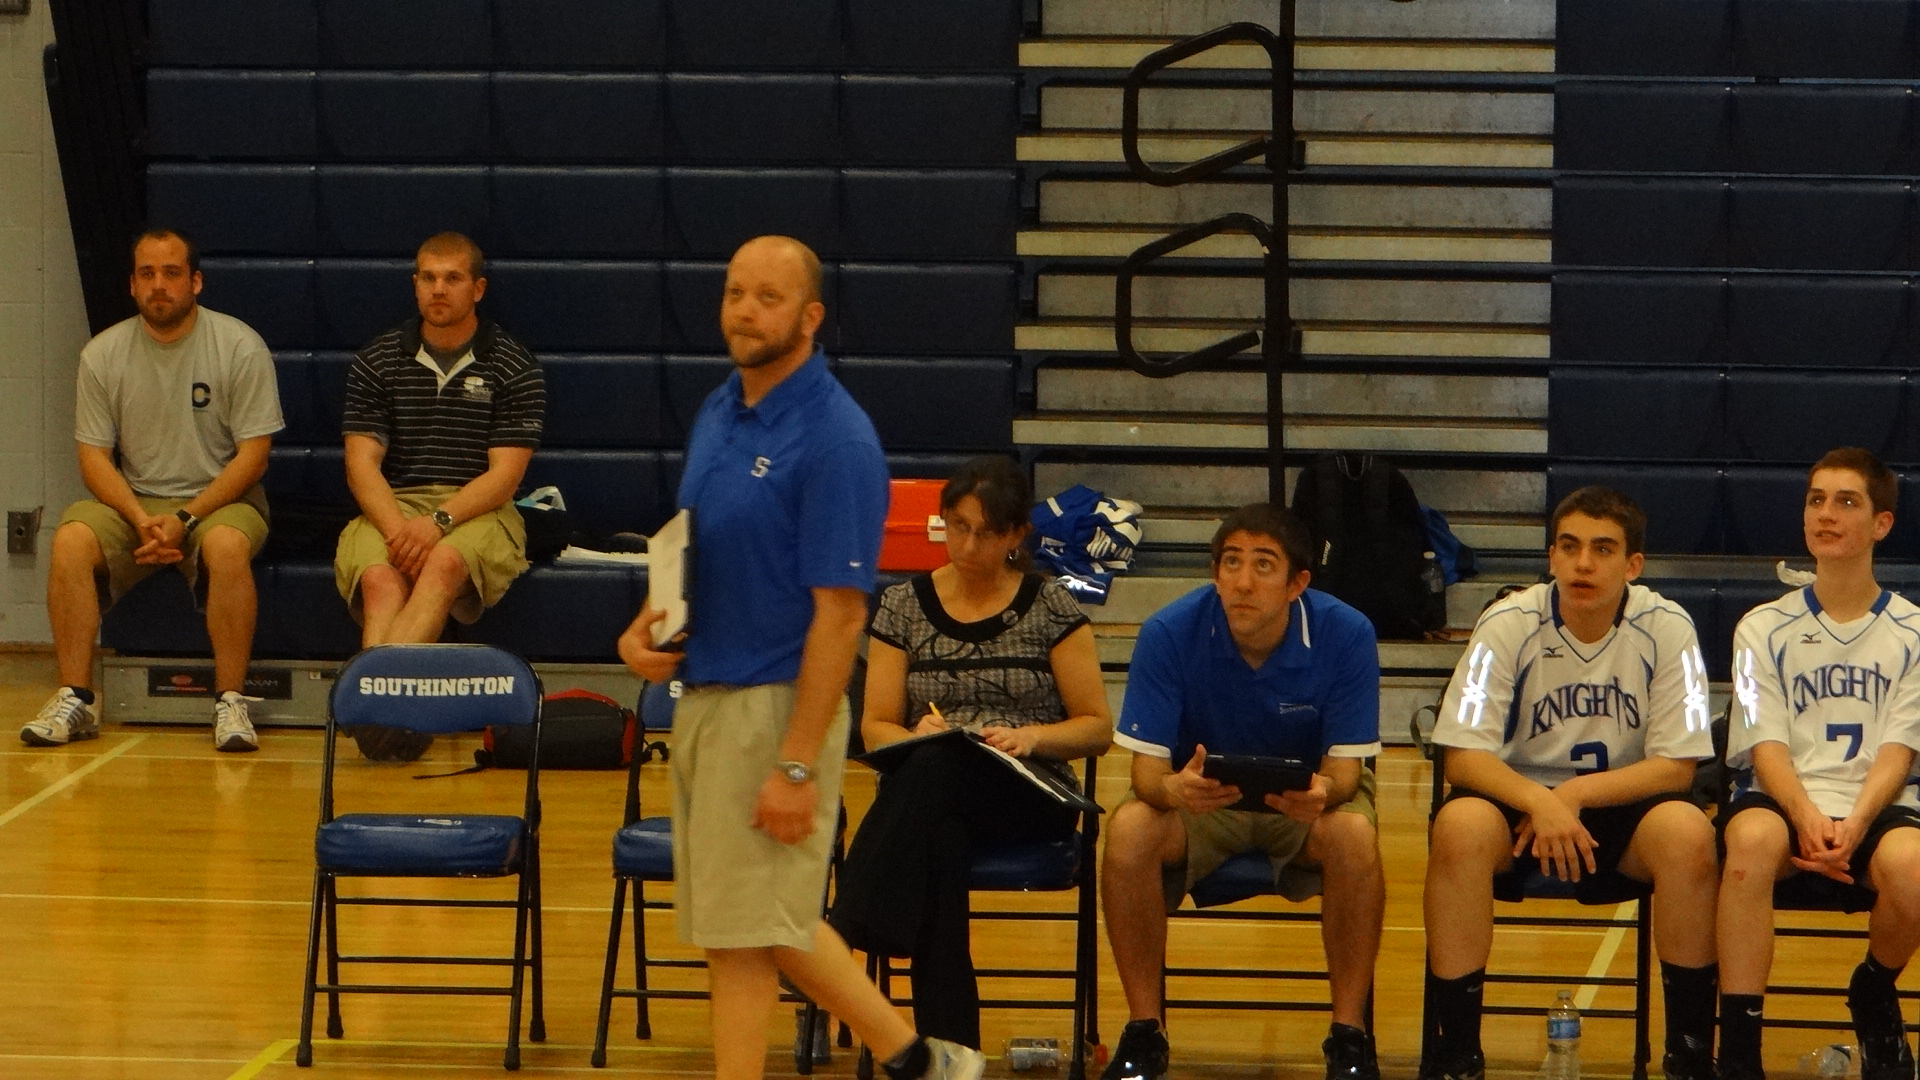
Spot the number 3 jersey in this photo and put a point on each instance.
(1553, 707)
(1832, 693)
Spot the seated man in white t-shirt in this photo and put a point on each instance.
(1825, 725)
(1572, 727)
(176, 411)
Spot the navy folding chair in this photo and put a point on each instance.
(436, 689)
(1807, 894)
(1247, 875)
(643, 852)
(1041, 866)
(1540, 886)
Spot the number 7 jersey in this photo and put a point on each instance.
(1553, 707)
(1832, 693)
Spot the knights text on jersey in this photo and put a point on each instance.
(1553, 707)
(1832, 693)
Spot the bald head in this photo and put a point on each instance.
(771, 306)
(782, 256)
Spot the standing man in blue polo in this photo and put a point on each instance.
(789, 492)
(1255, 663)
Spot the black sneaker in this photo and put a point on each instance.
(1741, 1070)
(1141, 1055)
(1692, 1061)
(1468, 1067)
(1884, 1054)
(1349, 1053)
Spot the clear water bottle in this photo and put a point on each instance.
(1831, 1061)
(1434, 578)
(1563, 1040)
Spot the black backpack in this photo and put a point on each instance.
(1370, 543)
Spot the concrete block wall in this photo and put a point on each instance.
(43, 322)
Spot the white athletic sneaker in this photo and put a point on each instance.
(63, 719)
(232, 728)
(951, 1061)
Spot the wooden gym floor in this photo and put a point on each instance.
(153, 919)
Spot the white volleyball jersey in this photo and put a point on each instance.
(1553, 707)
(1832, 693)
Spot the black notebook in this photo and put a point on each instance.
(891, 756)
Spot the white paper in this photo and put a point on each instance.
(572, 554)
(669, 553)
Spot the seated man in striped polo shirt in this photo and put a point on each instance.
(443, 413)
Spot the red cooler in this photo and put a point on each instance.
(916, 536)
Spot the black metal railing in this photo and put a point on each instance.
(1277, 339)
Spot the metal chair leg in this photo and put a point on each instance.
(334, 1028)
(643, 1024)
(1643, 988)
(303, 1057)
(517, 989)
(537, 1029)
(599, 1059)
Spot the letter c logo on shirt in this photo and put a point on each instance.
(761, 465)
(202, 395)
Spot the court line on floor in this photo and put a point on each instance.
(119, 1058)
(274, 1052)
(70, 779)
(1603, 956)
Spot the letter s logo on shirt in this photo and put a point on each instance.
(761, 465)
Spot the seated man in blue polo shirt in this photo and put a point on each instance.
(1255, 663)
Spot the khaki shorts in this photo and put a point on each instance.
(1214, 838)
(493, 544)
(735, 887)
(118, 538)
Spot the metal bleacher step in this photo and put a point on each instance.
(1496, 303)
(1483, 20)
(1315, 111)
(1317, 339)
(1482, 152)
(1304, 244)
(1395, 413)
(1120, 54)
(1066, 201)
(1404, 435)
(1306, 393)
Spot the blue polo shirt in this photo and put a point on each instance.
(787, 496)
(1317, 694)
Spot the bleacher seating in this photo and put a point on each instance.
(1859, 39)
(1749, 236)
(609, 163)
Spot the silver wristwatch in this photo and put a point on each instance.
(444, 520)
(796, 772)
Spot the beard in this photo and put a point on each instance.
(165, 314)
(753, 352)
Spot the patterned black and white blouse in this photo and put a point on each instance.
(996, 672)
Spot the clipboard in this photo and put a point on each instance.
(891, 756)
(670, 575)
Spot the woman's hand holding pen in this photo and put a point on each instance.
(932, 723)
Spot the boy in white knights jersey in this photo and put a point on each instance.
(1826, 720)
(1572, 727)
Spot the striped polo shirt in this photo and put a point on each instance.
(437, 426)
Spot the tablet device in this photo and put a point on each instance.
(1258, 777)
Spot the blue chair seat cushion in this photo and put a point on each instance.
(1813, 892)
(644, 850)
(1034, 867)
(421, 845)
(1528, 882)
(1246, 875)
